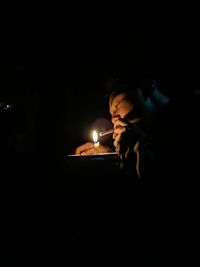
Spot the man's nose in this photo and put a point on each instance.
(115, 118)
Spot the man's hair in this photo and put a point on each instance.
(117, 86)
(129, 83)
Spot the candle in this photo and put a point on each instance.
(96, 143)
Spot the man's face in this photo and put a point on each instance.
(120, 106)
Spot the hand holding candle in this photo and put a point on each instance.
(93, 148)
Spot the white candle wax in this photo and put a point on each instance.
(96, 146)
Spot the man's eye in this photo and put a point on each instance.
(117, 105)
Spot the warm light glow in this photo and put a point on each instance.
(95, 136)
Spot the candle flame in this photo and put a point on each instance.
(95, 136)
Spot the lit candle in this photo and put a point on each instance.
(96, 143)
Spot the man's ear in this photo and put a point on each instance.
(148, 87)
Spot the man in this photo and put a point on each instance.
(132, 110)
(156, 139)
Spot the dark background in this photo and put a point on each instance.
(54, 60)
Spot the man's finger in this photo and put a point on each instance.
(84, 148)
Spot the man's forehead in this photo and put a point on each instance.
(116, 98)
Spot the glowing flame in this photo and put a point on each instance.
(95, 136)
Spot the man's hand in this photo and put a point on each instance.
(126, 134)
(119, 129)
(88, 149)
